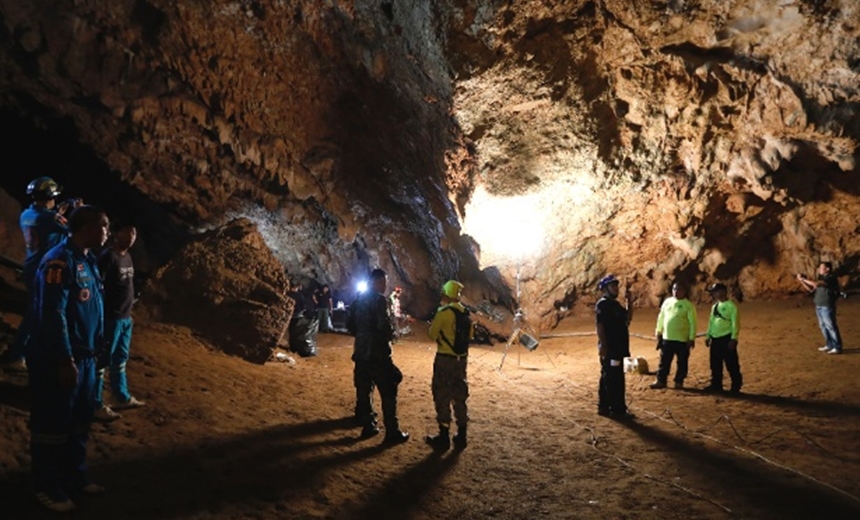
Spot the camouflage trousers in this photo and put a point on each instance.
(450, 388)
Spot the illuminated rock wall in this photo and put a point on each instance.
(706, 139)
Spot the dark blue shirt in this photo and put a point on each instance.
(69, 304)
(614, 319)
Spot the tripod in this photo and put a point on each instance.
(527, 339)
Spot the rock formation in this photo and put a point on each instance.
(227, 285)
(524, 147)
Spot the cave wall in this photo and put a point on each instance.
(701, 140)
(326, 122)
(656, 139)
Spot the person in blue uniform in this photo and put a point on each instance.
(69, 319)
(613, 346)
(44, 226)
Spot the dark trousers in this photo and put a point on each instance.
(384, 376)
(610, 393)
(722, 354)
(668, 351)
(59, 425)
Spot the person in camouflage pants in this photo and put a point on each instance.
(450, 386)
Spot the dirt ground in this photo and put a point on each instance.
(225, 439)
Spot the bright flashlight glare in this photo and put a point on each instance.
(361, 286)
(509, 229)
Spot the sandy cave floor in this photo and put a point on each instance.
(225, 439)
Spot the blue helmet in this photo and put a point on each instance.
(606, 281)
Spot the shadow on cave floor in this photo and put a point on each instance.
(267, 468)
(807, 407)
(773, 491)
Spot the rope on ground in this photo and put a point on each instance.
(595, 442)
(702, 434)
(740, 437)
(583, 334)
(752, 453)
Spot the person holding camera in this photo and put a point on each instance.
(825, 291)
(44, 226)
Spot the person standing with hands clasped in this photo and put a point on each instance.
(613, 346)
(451, 329)
(724, 326)
(676, 335)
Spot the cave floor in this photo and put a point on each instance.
(225, 439)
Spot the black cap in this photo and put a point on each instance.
(717, 287)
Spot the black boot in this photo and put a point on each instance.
(460, 438)
(441, 441)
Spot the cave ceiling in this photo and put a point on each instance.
(526, 147)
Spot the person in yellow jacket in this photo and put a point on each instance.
(724, 326)
(676, 335)
(452, 330)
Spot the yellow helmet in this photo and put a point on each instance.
(452, 289)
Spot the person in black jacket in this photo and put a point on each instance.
(613, 346)
(369, 320)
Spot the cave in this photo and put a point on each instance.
(524, 148)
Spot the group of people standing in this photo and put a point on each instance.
(76, 324)
(371, 320)
(676, 336)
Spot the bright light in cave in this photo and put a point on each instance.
(515, 230)
(509, 229)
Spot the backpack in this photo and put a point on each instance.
(462, 332)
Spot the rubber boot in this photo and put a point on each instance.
(460, 439)
(441, 441)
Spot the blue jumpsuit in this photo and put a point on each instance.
(69, 319)
(43, 229)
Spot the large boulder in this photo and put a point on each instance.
(226, 285)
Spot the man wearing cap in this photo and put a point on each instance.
(369, 320)
(723, 329)
(676, 335)
(613, 346)
(450, 386)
